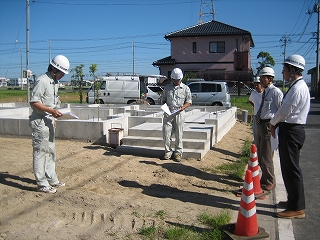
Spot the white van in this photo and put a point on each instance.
(118, 89)
(209, 93)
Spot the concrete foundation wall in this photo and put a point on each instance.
(224, 121)
(20, 112)
(95, 121)
(14, 126)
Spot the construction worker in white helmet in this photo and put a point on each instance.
(290, 119)
(270, 103)
(44, 102)
(177, 96)
(255, 100)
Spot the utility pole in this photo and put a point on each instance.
(206, 9)
(21, 69)
(133, 58)
(316, 9)
(49, 51)
(285, 39)
(27, 48)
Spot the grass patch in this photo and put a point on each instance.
(183, 232)
(242, 103)
(236, 169)
(148, 232)
(161, 214)
(214, 223)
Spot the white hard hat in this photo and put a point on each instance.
(177, 74)
(266, 71)
(256, 80)
(61, 63)
(296, 60)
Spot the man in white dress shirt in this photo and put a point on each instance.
(291, 117)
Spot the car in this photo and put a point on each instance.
(153, 95)
(209, 93)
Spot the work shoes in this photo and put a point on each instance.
(58, 184)
(269, 187)
(177, 157)
(167, 156)
(47, 189)
(291, 214)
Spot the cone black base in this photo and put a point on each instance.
(229, 229)
(238, 193)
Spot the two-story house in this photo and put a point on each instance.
(212, 50)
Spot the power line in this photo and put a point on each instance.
(114, 4)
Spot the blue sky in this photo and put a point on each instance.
(111, 33)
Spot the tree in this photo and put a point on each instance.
(266, 60)
(96, 82)
(77, 79)
(189, 75)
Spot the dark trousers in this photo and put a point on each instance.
(291, 139)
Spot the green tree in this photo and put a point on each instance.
(266, 60)
(77, 79)
(96, 81)
(189, 75)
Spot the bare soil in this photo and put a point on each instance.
(112, 196)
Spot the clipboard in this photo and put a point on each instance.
(165, 108)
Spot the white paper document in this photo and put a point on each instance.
(68, 115)
(166, 109)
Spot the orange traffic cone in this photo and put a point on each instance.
(253, 166)
(247, 223)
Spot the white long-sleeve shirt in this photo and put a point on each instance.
(255, 97)
(295, 105)
(272, 102)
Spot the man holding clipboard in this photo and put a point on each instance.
(177, 97)
(44, 102)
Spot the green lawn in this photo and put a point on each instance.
(242, 103)
(14, 95)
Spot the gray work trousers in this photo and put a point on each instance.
(173, 124)
(44, 150)
(265, 153)
(254, 128)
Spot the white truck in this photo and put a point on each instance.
(118, 89)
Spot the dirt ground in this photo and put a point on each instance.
(112, 196)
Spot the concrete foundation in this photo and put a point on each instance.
(142, 126)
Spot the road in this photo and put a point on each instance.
(309, 228)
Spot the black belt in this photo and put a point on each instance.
(283, 124)
(265, 120)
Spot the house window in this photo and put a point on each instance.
(194, 47)
(216, 47)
